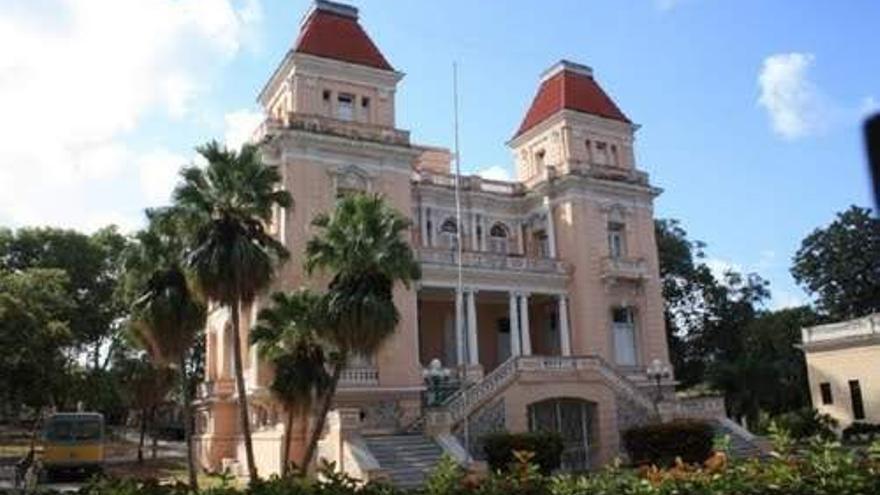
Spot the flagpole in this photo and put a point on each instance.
(460, 248)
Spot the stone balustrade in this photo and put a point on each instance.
(493, 261)
(473, 183)
(625, 268)
(335, 127)
(359, 376)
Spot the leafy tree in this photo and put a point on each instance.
(361, 245)
(167, 315)
(147, 386)
(288, 334)
(34, 334)
(840, 265)
(93, 268)
(231, 256)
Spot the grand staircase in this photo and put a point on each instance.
(743, 444)
(407, 459)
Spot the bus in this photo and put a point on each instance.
(73, 441)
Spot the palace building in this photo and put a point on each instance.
(560, 310)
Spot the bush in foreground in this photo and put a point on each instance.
(546, 450)
(824, 468)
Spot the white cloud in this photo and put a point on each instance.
(240, 126)
(494, 172)
(782, 299)
(158, 171)
(74, 87)
(794, 104)
(720, 266)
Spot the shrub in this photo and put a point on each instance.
(661, 443)
(861, 432)
(807, 422)
(546, 447)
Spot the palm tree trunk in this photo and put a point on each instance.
(153, 432)
(288, 440)
(242, 394)
(143, 435)
(187, 426)
(322, 415)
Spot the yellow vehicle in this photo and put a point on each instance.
(73, 441)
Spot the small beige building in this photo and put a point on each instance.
(843, 367)
(559, 311)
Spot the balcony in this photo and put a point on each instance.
(470, 183)
(493, 261)
(634, 269)
(335, 127)
(359, 376)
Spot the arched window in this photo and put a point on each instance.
(449, 232)
(498, 238)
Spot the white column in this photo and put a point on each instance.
(473, 346)
(459, 329)
(564, 337)
(484, 233)
(475, 242)
(514, 325)
(424, 222)
(551, 228)
(524, 325)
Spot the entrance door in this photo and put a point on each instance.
(502, 336)
(570, 418)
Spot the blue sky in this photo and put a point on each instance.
(750, 110)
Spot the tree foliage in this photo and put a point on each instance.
(839, 264)
(231, 256)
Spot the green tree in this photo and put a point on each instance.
(167, 316)
(147, 386)
(840, 265)
(361, 245)
(34, 335)
(93, 267)
(287, 334)
(231, 256)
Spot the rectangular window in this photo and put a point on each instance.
(602, 153)
(623, 327)
(616, 246)
(345, 107)
(858, 407)
(542, 244)
(825, 390)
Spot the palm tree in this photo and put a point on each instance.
(287, 335)
(362, 245)
(226, 207)
(166, 315)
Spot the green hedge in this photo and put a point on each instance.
(546, 447)
(661, 443)
(823, 468)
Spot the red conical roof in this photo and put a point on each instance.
(569, 86)
(332, 30)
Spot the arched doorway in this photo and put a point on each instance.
(573, 420)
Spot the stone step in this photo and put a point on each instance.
(408, 459)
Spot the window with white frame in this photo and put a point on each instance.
(616, 240)
(345, 106)
(624, 333)
(499, 237)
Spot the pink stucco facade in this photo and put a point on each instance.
(560, 295)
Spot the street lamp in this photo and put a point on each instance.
(658, 372)
(435, 376)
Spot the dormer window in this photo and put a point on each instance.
(602, 152)
(345, 107)
(539, 161)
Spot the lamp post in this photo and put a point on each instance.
(435, 376)
(657, 372)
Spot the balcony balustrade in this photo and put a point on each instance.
(493, 261)
(359, 376)
(326, 125)
(625, 268)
